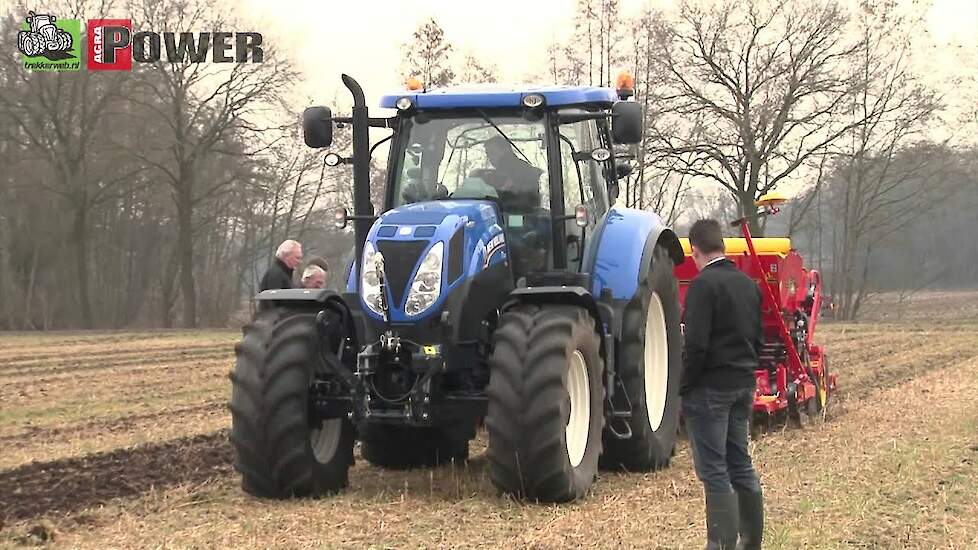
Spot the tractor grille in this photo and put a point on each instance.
(400, 257)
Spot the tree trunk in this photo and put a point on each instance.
(747, 208)
(28, 322)
(80, 239)
(185, 253)
(167, 294)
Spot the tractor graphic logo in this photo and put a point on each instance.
(49, 43)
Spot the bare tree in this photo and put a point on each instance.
(589, 55)
(874, 201)
(57, 116)
(203, 105)
(428, 55)
(884, 185)
(476, 71)
(761, 87)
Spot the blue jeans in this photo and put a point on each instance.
(716, 423)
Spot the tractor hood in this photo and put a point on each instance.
(428, 249)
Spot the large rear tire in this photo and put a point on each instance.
(650, 366)
(403, 447)
(546, 398)
(278, 450)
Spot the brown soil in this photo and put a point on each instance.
(62, 486)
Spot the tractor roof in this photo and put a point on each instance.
(499, 96)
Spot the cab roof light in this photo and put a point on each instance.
(413, 84)
(625, 85)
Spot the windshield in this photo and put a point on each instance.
(470, 157)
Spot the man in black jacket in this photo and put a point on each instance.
(279, 274)
(722, 342)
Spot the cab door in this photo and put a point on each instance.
(583, 185)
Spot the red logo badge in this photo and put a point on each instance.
(110, 44)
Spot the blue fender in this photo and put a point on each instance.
(620, 255)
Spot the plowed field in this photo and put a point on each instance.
(120, 440)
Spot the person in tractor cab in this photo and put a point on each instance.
(279, 275)
(517, 182)
(722, 341)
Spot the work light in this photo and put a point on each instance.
(533, 100)
(601, 154)
(403, 103)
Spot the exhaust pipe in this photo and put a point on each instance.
(363, 209)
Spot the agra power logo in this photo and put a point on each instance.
(49, 43)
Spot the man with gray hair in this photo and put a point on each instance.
(279, 274)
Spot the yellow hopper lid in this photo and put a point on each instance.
(765, 245)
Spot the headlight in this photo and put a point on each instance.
(404, 103)
(426, 285)
(370, 275)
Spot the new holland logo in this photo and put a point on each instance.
(495, 245)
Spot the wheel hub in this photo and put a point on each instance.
(656, 364)
(579, 419)
(325, 439)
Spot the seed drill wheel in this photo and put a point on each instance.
(803, 414)
(822, 395)
(546, 400)
(279, 449)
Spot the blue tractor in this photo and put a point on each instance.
(500, 285)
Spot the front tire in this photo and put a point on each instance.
(650, 366)
(278, 450)
(546, 398)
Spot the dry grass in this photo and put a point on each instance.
(132, 452)
(945, 305)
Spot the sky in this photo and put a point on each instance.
(364, 38)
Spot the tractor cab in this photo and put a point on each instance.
(487, 189)
(549, 181)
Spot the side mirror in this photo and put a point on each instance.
(317, 127)
(626, 122)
